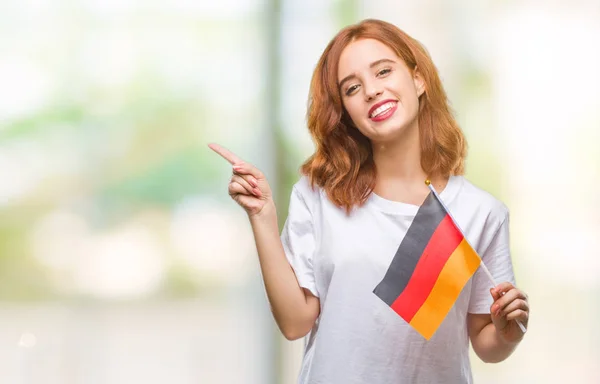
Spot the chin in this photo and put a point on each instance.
(386, 133)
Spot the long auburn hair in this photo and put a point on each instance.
(343, 162)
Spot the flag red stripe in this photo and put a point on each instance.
(459, 268)
(442, 243)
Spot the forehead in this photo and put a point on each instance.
(359, 54)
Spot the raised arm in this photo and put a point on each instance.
(295, 309)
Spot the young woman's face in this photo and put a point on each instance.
(378, 90)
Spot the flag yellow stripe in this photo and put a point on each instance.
(459, 268)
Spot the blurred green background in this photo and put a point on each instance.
(122, 258)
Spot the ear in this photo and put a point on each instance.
(419, 82)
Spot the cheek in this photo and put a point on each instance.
(354, 110)
(408, 101)
(410, 94)
(414, 103)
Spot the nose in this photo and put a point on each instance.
(372, 91)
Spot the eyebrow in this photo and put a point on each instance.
(373, 64)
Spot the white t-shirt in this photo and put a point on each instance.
(358, 338)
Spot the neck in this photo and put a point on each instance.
(400, 176)
(400, 160)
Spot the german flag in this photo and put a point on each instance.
(431, 266)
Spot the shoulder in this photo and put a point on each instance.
(483, 201)
(303, 188)
(303, 191)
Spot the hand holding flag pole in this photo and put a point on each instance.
(485, 269)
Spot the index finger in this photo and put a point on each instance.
(504, 287)
(225, 153)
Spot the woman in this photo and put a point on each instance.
(381, 123)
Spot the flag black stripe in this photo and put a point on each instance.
(426, 221)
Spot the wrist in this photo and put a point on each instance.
(267, 214)
(501, 337)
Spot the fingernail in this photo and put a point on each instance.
(256, 191)
(253, 182)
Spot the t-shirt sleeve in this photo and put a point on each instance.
(298, 238)
(497, 259)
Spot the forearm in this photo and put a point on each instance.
(490, 347)
(288, 300)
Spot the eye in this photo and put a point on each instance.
(384, 72)
(351, 89)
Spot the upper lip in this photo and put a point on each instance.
(374, 107)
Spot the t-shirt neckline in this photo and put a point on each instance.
(397, 207)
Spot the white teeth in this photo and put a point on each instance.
(384, 108)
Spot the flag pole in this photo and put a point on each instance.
(485, 269)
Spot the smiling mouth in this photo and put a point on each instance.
(382, 110)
